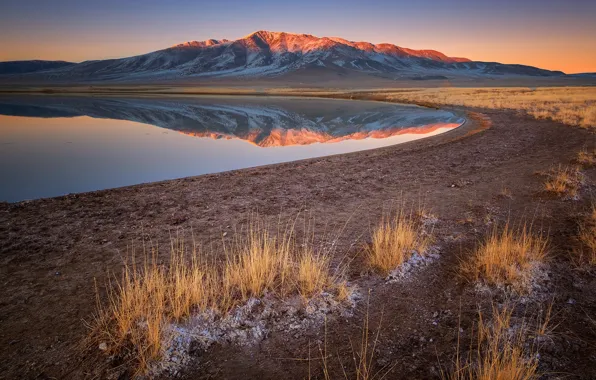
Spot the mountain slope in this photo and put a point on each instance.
(266, 53)
(22, 67)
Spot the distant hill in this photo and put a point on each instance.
(272, 54)
(22, 67)
(584, 75)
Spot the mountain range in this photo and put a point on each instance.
(268, 54)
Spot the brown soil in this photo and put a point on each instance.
(52, 249)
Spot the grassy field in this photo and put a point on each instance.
(569, 105)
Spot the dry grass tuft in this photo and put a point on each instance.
(313, 274)
(586, 253)
(258, 263)
(146, 298)
(564, 181)
(395, 240)
(501, 353)
(586, 158)
(132, 325)
(506, 193)
(507, 258)
(263, 262)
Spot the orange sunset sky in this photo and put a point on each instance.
(551, 34)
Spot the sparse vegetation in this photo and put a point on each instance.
(153, 295)
(586, 253)
(507, 258)
(395, 240)
(564, 181)
(569, 105)
(363, 355)
(586, 158)
(501, 353)
(506, 193)
(134, 319)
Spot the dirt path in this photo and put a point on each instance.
(51, 250)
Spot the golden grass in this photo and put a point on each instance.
(507, 258)
(569, 105)
(274, 263)
(564, 181)
(313, 274)
(586, 158)
(394, 241)
(506, 193)
(586, 253)
(148, 297)
(501, 353)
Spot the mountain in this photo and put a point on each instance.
(584, 75)
(269, 54)
(22, 67)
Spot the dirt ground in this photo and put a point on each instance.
(51, 250)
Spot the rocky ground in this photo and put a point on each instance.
(481, 174)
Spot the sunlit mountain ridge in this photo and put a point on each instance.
(275, 54)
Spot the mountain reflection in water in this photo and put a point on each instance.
(262, 121)
(54, 145)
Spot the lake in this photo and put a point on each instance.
(55, 145)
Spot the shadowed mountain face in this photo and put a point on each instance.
(261, 121)
(266, 53)
(24, 67)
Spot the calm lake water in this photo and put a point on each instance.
(52, 146)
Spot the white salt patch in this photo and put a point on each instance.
(246, 325)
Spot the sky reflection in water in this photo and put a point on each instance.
(43, 154)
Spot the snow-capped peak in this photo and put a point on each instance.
(266, 53)
(200, 44)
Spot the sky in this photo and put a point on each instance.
(551, 34)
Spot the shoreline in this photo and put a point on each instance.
(464, 115)
(458, 113)
(54, 250)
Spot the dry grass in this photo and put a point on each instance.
(132, 324)
(362, 366)
(263, 262)
(570, 105)
(586, 253)
(564, 181)
(501, 353)
(507, 258)
(506, 193)
(586, 158)
(395, 240)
